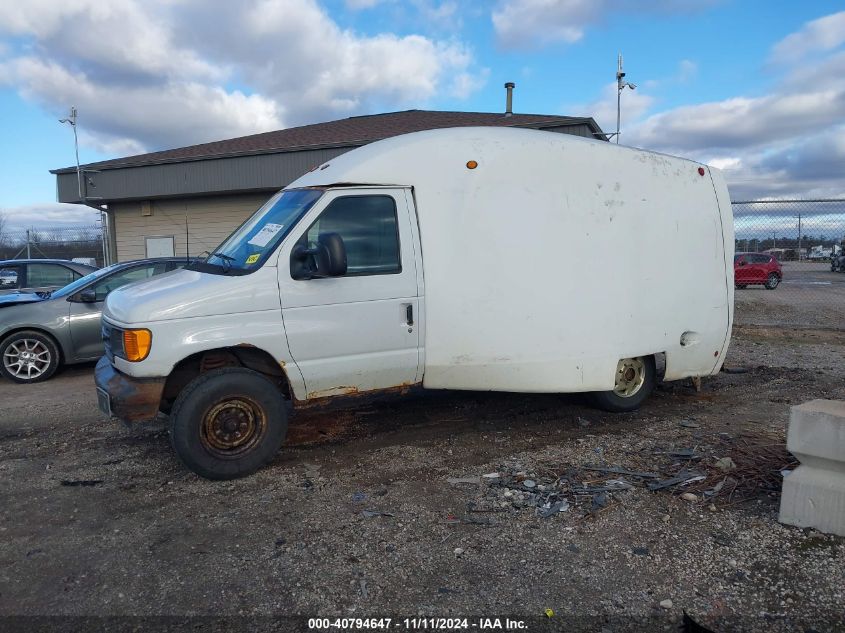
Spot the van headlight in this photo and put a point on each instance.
(134, 345)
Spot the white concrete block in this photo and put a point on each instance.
(814, 493)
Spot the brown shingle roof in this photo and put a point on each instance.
(353, 131)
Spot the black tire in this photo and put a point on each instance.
(741, 286)
(45, 361)
(772, 281)
(615, 403)
(213, 410)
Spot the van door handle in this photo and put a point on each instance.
(409, 314)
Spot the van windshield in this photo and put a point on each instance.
(253, 241)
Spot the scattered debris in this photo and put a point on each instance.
(666, 604)
(550, 509)
(683, 477)
(689, 424)
(755, 464)
(684, 453)
(464, 480)
(81, 482)
(376, 513)
(459, 551)
(622, 471)
(358, 497)
(725, 464)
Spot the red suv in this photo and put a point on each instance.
(757, 268)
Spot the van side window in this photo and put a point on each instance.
(370, 232)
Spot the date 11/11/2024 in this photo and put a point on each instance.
(418, 624)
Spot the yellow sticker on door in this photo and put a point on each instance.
(253, 258)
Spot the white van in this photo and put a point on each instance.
(465, 258)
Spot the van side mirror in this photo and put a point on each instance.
(741, 262)
(326, 259)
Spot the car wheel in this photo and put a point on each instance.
(28, 356)
(228, 423)
(772, 282)
(635, 379)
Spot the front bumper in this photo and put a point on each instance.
(129, 399)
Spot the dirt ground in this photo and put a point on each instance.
(356, 517)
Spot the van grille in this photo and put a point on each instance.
(112, 340)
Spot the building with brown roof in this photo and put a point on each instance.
(188, 199)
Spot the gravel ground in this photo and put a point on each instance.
(810, 295)
(145, 537)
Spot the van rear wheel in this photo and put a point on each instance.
(228, 423)
(635, 379)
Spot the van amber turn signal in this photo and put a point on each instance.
(136, 344)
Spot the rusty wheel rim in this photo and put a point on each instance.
(233, 427)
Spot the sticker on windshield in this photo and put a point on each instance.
(253, 258)
(263, 237)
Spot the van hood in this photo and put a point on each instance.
(183, 294)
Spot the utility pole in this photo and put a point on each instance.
(71, 120)
(620, 86)
(83, 197)
(799, 236)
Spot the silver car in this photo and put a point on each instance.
(40, 332)
(39, 275)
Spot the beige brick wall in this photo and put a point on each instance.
(210, 220)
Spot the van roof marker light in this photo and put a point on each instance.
(471, 164)
(701, 171)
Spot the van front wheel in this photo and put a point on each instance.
(228, 423)
(634, 382)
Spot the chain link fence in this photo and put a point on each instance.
(789, 267)
(83, 243)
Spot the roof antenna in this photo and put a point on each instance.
(187, 241)
(509, 103)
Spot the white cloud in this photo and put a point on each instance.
(635, 103)
(114, 117)
(780, 144)
(521, 23)
(535, 23)
(744, 122)
(823, 34)
(360, 5)
(786, 142)
(687, 70)
(152, 74)
(727, 162)
(53, 215)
